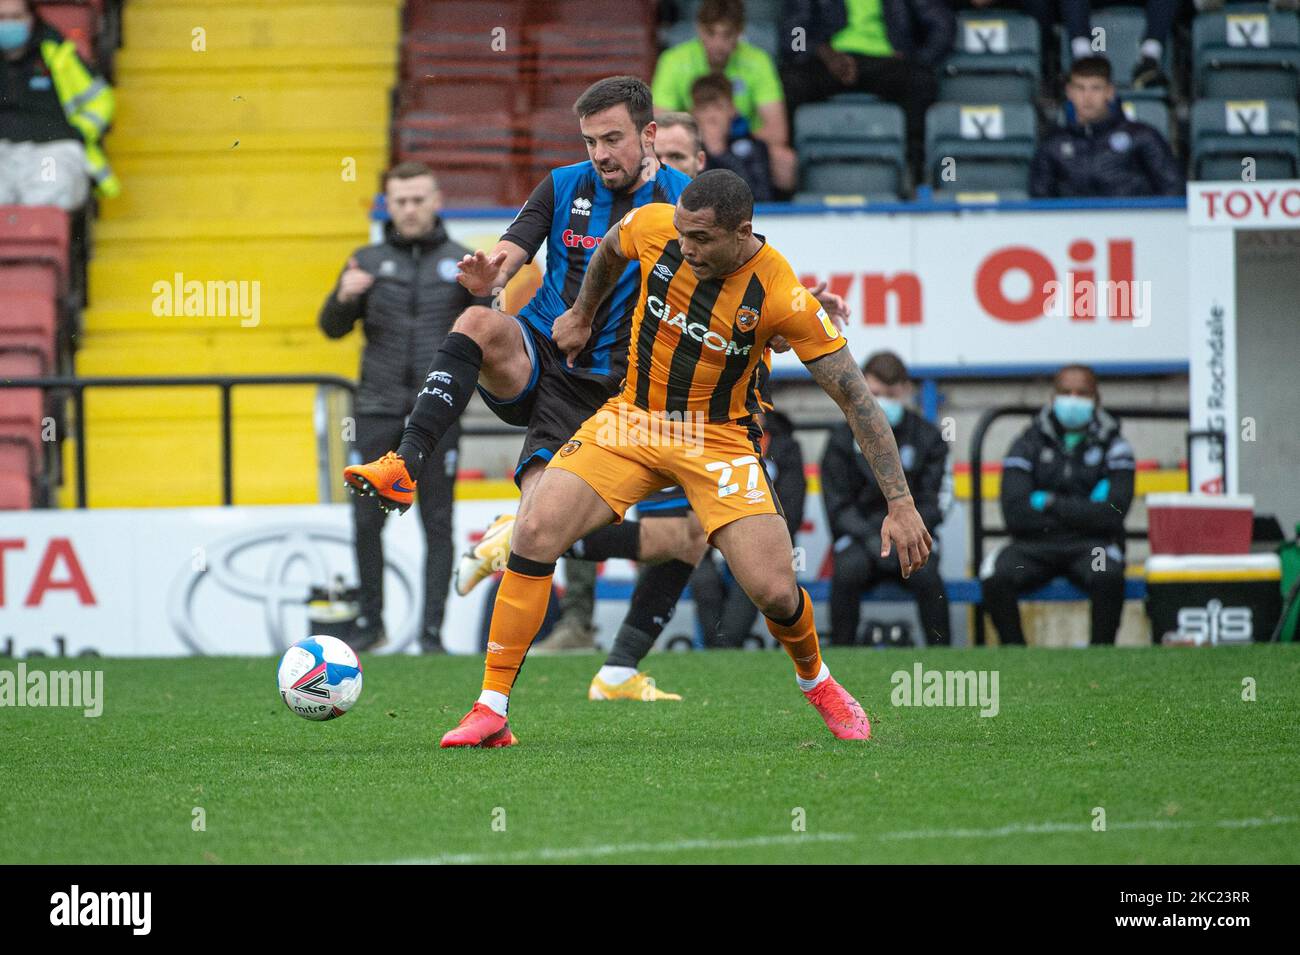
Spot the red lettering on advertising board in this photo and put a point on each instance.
(59, 549)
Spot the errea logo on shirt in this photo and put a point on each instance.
(581, 207)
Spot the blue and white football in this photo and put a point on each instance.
(320, 678)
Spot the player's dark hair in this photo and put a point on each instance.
(887, 368)
(1091, 66)
(721, 11)
(722, 191)
(612, 90)
(669, 119)
(411, 169)
(711, 88)
(1083, 369)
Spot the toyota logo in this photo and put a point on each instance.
(263, 576)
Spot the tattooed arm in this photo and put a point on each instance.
(572, 329)
(841, 378)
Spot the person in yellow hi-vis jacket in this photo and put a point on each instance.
(53, 115)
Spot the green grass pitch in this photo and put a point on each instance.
(1160, 739)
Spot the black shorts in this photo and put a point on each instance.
(554, 403)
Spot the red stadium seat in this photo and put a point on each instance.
(465, 16)
(35, 235)
(20, 415)
(79, 22)
(15, 491)
(20, 363)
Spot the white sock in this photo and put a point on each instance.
(806, 685)
(1151, 48)
(616, 675)
(1080, 47)
(498, 703)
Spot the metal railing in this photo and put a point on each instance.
(226, 383)
(978, 529)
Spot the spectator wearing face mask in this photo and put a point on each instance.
(855, 507)
(53, 115)
(1067, 484)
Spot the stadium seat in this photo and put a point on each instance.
(78, 20)
(992, 146)
(1122, 30)
(1154, 113)
(36, 235)
(1248, 52)
(850, 148)
(28, 322)
(997, 59)
(1226, 131)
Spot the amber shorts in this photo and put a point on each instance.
(626, 454)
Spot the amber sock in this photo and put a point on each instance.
(799, 637)
(517, 615)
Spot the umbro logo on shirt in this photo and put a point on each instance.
(664, 272)
(581, 207)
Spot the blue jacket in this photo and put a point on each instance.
(1113, 157)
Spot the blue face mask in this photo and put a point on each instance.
(893, 409)
(14, 33)
(1073, 411)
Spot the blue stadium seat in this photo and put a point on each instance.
(1122, 30)
(997, 59)
(1225, 131)
(1247, 53)
(850, 148)
(991, 145)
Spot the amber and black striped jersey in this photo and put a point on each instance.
(696, 346)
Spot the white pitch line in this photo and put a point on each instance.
(1040, 828)
(612, 849)
(693, 845)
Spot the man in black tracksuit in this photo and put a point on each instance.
(404, 292)
(855, 508)
(1100, 152)
(1067, 483)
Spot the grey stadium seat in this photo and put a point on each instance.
(1225, 131)
(992, 146)
(997, 59)
(1247, 52)
(850, 148)
(1122, 32)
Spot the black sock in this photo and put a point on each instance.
(630, 647)
(447, 390)
(658, 588)
(612, 540)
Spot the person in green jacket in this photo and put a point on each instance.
(756, 87)
(53, 115)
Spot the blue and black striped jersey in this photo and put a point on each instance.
(571, 210)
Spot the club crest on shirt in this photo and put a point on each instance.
(746, 317)
(569, 448)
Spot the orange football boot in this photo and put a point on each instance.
(482, 727)
(386, 479)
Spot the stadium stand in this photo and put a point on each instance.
(1122, 30)
(851, 146)
(1246, 51)
(34, 270)
(1224, 132)
(248, 159)
(991, 146)
(997, 60)
(532, 70)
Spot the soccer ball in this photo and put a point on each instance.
(320, 678)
